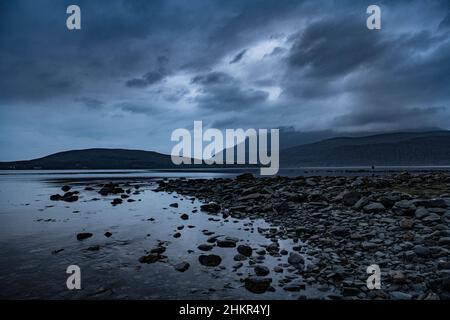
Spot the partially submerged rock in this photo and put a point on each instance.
(84, 235)
(210, 260)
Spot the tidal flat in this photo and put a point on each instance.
(222, 236)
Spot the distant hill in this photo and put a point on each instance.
(390, 149)
(96, 159)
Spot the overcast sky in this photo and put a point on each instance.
(139, 69)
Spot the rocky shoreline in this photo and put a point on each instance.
(400, 222)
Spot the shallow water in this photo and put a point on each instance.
(32, 227)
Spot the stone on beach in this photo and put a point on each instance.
(84, 235)
(257, 284)
(210, 260)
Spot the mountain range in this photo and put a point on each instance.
(389, 149)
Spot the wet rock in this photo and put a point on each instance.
(422, 251)
(84, 235)
(159, 250)
(150, 258)
(406, 223)
(205, 247)
(210, 260)
(55, 197)
(239, 257)
(294, 287)
(212, 239)
(397, 277)
(350, 198)
(245, 250)
(177, 235)
(278, 269)
(70, 198)
(340, 231)
(273, 248)
(261, 270)
(405, 207)
(374, 208)
(116, 201)
(65, 188)
(108, 234)
(361, 203)
(261, 252)
(387, 202)
(444, 241)
(211, 207)
(431, 217)
(368, 245)
(421, 213)
(182, 266)
(431, 203)
(110, 188)
(184, 216)
(297, 197)
(409, 255)
(226, 243)
(296, 259)
(257, 284)
(173, 205)
(283, 208)
(67, 197)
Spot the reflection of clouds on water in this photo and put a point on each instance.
(32, 243)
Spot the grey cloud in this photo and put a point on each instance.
(213, 78)
(222, 92)
(238, 57)
(410, 118)
(138, 109)
(445, 24)
(276, 51)
(230, 98)
(336, 46)
(91, 103)
(382, 78)
(148, 79)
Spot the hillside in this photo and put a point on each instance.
(392, 149)
(95, 159)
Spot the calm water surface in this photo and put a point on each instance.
(32, 227)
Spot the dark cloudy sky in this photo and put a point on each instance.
(139, 69)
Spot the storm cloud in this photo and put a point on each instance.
(139, 69)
